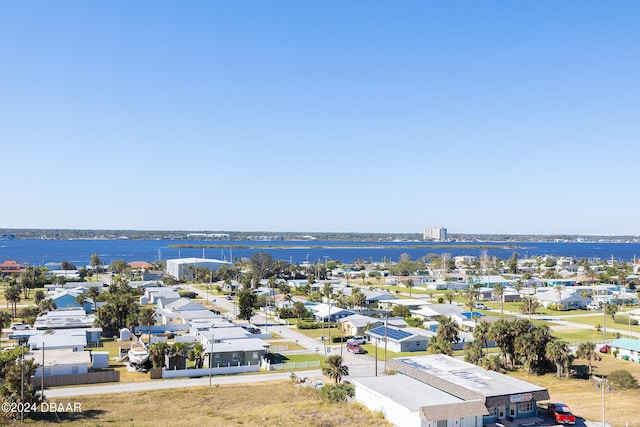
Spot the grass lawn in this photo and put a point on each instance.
(586, 401)
(317, 333)
(272, 404)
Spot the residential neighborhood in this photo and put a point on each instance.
(185, 324)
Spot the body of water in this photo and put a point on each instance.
(41, 252)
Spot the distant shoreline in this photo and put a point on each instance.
(262, 236)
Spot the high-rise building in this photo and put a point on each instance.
(435, 233)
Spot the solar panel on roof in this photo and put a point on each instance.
(394, 334)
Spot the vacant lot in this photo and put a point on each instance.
(585, 399)
(273, 404)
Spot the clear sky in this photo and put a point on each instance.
(363, 116)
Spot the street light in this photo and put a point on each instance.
(603, 384)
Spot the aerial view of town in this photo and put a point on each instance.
(321, 213)
(469, 340)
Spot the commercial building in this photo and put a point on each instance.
(184, 268)
(442, 391)
(435, 233)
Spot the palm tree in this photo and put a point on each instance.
(12, 295)
(409, 284)
(557, 351)
(81, 299)
(558, 289)
(147, 316)
(498, 291)
(178, 350)
(196, 355)
(334, 368)
(47, 305)
(5, 320)
(157, 351)
(587, 351)
(481, 334)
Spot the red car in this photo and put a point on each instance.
(561, 413)
(355, 348)
(605, 348)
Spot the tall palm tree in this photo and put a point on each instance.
(178, 350)
(587, 351)
(481, 334)
(498, 291)
(334, 368)
(12, 295)
(557, 351)
(409, 284)
(196, 355)
(147, 317)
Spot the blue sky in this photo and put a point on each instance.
(363, 116)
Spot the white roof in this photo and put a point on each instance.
(249, 344)
(59, 357)
(406, 391)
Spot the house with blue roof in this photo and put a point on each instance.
(628, 349)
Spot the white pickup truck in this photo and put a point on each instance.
(594, 306)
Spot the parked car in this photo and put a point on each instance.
(605, 348)
(19, 326)
(358, 339)
(480, 306)
(354, 348)
(561, 413)
(594, 306)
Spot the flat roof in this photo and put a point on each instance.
(466, 380)
(406, 391)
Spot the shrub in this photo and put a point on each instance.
(624, 320)
(337, 392)
(623, 379)
(187, 294)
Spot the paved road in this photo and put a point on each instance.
(175, 383)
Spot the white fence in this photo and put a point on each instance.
(204, 372)
(291, 365)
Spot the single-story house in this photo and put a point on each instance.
(400, 339)
(567, 299)
(235, 352)
(329, 313)
(60, 362)
(67, 299)
(357, 324)
(413, 304)
(65, 318)
(628, 349)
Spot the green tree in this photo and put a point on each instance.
(246, 304)
(5, 320)
(38, 297)
(15, 388)
(334, 368)
(12, 295)
(400, 311)
(96, 263)
(147, 317)
(196, 355)
(558, 352)
(299, 310)
(611, 309)
(623, 379)
(587, 351)
(498, 291)
(179, 351)
(261, 264)
(157, 352)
